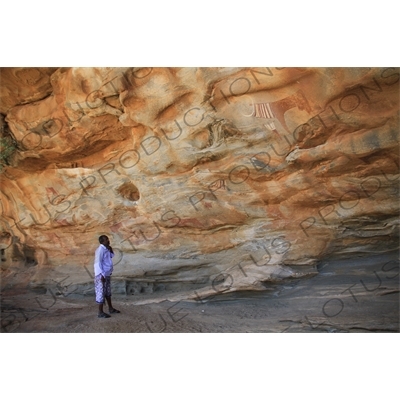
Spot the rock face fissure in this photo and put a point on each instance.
(211, 179)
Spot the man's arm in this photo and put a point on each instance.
(98, 262)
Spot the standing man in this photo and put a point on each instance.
(103, 268)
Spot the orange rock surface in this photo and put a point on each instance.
(213, 179)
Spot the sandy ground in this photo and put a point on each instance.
(358, 295)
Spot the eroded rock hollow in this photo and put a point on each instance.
(206, 180)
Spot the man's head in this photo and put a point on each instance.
(103, 239)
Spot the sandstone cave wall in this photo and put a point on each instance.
(210, 177)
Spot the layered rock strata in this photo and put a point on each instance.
(209, 180)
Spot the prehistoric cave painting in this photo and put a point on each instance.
(69, 165)
(277, 109)
(129, 191)
(218, 184)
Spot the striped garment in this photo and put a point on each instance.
(262, 110)
(270, 126)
